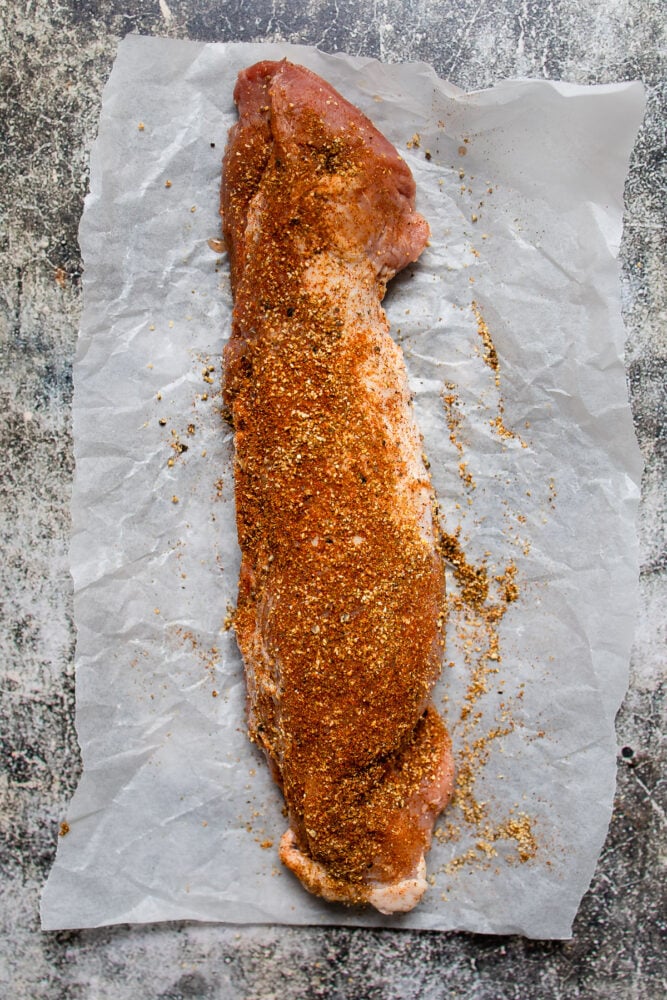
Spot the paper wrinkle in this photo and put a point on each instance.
(176, 815)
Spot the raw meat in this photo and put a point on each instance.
(340, 613)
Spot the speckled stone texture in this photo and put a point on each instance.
(54, 62)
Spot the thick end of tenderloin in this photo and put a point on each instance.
(292, 121)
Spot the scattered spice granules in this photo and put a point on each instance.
(476, 604)
(229, 618)
(454, 417)
(490, 357)
(519, 828)
(209, 658)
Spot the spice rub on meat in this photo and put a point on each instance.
(340, 611)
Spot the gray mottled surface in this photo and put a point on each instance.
(54, 60)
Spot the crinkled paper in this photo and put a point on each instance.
(535, 465)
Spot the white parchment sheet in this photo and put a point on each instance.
(535, 464)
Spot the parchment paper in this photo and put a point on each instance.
(535, 465)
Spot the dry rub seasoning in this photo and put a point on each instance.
(341, 593)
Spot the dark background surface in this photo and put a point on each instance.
(54, 61)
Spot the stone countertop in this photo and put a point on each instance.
(55, 60)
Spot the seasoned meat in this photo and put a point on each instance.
(340, 611)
